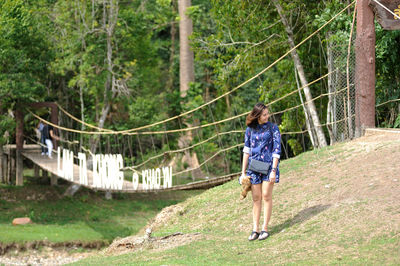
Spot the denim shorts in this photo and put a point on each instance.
(258, 178)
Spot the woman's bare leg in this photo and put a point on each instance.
(267, 188)
(256, 194)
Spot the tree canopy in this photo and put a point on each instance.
(115, 64)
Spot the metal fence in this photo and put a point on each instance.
(341, 105)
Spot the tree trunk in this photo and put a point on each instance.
(306, 114)
(9, 167)
(82, 113)
(170, 82)
(186, 57)
(19, 135)
(365, 68)
(109, 21)
(2, 166)
(186, 75)
(110, 16)
(297, 62)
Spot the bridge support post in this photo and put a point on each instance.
(20, 168)
(11, 167)
(19, 180)
(6, 169)
(53, 180)
(108, 195)
(36, 170)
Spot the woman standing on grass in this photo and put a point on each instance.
(263, 145)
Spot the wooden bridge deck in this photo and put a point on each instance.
(32, 152)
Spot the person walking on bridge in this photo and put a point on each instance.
(48, 135)
(42, 140)
(261, 154)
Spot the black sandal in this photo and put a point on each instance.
(254, 235)
(263, 235)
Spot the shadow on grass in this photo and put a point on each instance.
(301, 217)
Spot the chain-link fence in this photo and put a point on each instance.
(341, 84)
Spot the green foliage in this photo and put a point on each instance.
(24, 58)
(58, 51)
(24, 52)
(295, 146)
(397, 123)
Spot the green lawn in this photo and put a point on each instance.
(86, 217)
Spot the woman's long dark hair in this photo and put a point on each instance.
(252, 118)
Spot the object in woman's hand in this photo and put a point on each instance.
(246, 187)
(240, 179)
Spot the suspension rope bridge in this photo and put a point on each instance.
(108, 168)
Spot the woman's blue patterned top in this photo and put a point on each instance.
(260, 144)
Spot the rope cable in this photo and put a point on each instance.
(247, 81)
(387, 9)
(80, 121)
(350, 124)
(224, 94)
(218, 138)
(390, 101)
(185, 129)
(187, 148)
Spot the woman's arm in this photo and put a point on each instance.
(276, 152)
(246, 150)
(275, 162)
(53, 136)
(245, 163)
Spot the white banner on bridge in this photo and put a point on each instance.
(107, 173)
(65, 165)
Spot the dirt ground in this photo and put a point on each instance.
(144, 240)
(365, 167)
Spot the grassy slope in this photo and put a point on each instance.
(85, 218)
(340, 204)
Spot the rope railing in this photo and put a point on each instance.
(234, 117)
(221, 150)
(308, 102)
(188, 148)
(182, 129)
(80, 121)
(247, 81)
(235, 131)
(224, 133)
(242, 144)
(45, 146)
(242, 131)
(205, 141)
(390, 101)
(136, 131)
(210, 158)
(229, 92)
